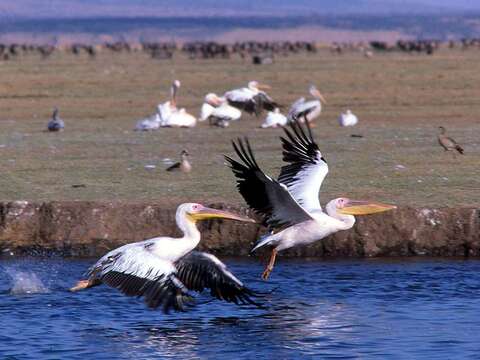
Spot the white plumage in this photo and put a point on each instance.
(307, 110)
(216, 109)
(274, 119)
(290, 205)
(347, 119)
(164, 270)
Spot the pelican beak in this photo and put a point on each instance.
(209, 213)
(319, 95)
(359, 207)
(263, 87)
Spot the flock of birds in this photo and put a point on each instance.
(222, 110)
(165, 270)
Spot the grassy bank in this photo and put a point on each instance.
(400, 101)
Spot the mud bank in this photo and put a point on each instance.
(92, 228)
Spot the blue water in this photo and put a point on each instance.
(362, 309)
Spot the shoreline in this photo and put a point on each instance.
(90, 229)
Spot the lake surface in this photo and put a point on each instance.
(361, 309)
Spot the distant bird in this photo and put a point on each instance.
(290, 206)
(274, 119)
(447, 142)
(55, 124)
(251, 98)
(218, 112)
(183, 165)
(307, 110)
(164, 269)
(171, 116)
(347, 119)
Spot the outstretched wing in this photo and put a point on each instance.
(306, 167)
(263, 194)
(135, 271)
(199, 271)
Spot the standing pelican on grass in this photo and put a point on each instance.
(164, 270)
(307, 110)
(55, 124)
(218, 112)
(251, 99)
(290, 205)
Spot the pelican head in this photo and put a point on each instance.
(197, 212)
(316, 94)
(255, 85)
(176, 84)
(213, 99)
(346, 206)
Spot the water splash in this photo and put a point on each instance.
(25, 282)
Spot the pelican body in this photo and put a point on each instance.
(290, 206)
(251, 99)
(171, 116)
(274, 119)
(347, 119)
(55, 124)
(307, 110)
(218, 112)
(164, 269)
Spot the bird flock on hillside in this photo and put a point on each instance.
(167, 271)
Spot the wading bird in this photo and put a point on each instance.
(55, 124)
(274, 119)
(307, 110)
(164, 270)
(447, 142)
(218, 112)
(347, 119)
(183, 165)
(251, 98)
(290, 206)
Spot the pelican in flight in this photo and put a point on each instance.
(447, 142)
(251, 99)
(171, 116)
(55, 124)
(183, 165)
(274, 119)
(218, 112)
(307, 110)
(290, 206)
(347, 119)
(164, 270)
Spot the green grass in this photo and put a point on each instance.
(399, 99)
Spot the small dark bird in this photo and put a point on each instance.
(55, 124)
(447, 142)
(183, 165)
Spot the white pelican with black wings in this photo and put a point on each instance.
(164, 270)
(251, 99)
(290, 206)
